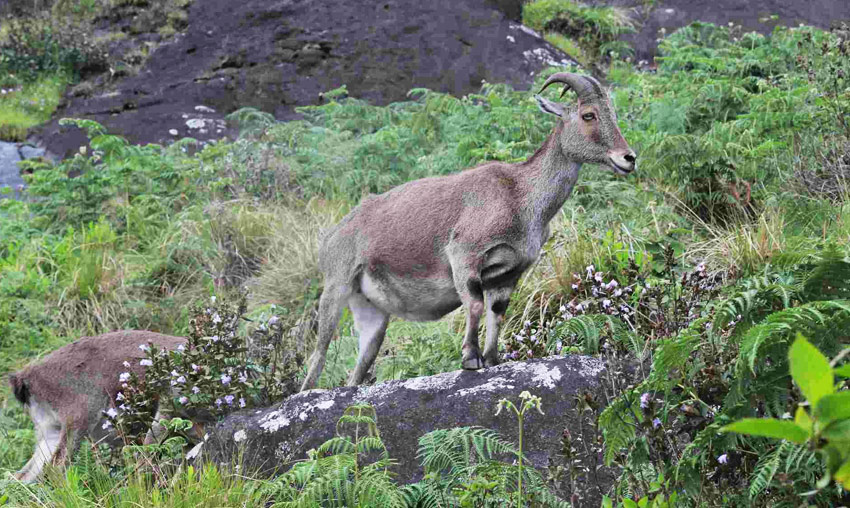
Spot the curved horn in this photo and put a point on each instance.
(582, 85)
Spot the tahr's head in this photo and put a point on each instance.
(590, 133)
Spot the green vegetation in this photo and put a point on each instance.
(44, 47)
(696, 273)
(595, 31)
(826, 429)
(28, 104)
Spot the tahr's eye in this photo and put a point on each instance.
(588, 117)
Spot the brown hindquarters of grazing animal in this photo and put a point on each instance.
(67, 391)
(429, 246)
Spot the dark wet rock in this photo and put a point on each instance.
(277, 55)
(275, 437)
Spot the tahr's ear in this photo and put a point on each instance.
(19, 389)
(547, 106)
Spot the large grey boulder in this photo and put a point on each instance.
(273, 438)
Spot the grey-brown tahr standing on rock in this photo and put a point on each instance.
(424, 248)
(68, 391)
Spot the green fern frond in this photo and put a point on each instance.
(588, 330)
(765, 470)
(371, 444)
(671, 354)
(809, 319)
(450, 449)
(335, 445)
(617, 424)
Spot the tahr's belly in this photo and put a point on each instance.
(413, 298)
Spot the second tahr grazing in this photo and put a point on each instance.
(429, 246)
(69, 392)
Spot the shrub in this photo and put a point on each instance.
(826, 427)
(211, 375)
(37, 46)
(724, 366)
(596, 29)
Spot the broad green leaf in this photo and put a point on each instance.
(843, 371)
(842, 476)
(810, 370)
(833, 407)
(606, 502)
(838, 431)
(769, 427)
(628, 503)
(802, 419)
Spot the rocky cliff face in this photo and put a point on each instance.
(273, 438)
(277, 55)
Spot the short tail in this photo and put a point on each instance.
(19, 389)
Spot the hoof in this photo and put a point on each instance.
(473, 361)
(491, 362)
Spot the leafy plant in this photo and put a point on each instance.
(339, 473)
(208, 377)
(40, 45)
(826, 427)
(597, 30)
(462, 467)
(694, 387)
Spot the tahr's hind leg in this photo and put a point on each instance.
(472, 359)
(331, 304)
(497, 304)
(371, 324)
(468, 287)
